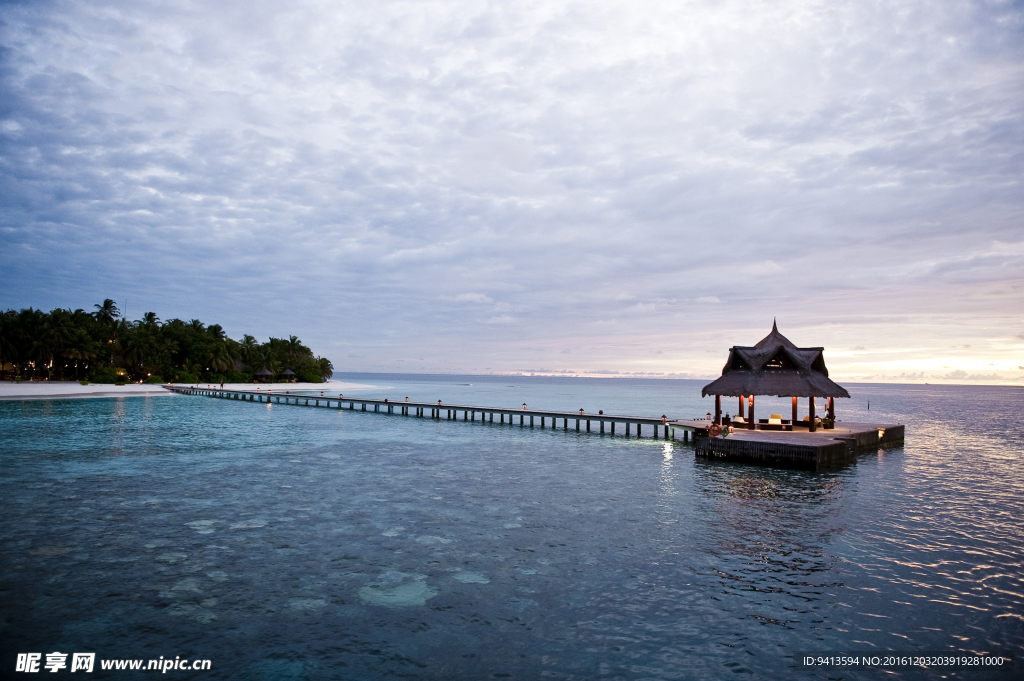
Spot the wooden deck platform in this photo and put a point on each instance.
(792, 449)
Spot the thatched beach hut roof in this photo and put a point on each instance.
(264, 372)
(288, 372)
(775, 366)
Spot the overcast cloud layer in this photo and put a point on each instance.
(470, 186)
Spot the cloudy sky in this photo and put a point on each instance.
(626, 187)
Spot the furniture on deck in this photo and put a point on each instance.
(775, 422)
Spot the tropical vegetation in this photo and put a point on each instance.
(102, 346)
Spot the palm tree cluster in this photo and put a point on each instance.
(104, 347)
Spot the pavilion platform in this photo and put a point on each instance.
(798, 448)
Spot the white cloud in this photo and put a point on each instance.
(472, 298)
(348, 171)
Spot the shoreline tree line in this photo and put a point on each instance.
(103, 347)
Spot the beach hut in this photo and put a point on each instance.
(289, 375)
(774, 366)
(264, 375)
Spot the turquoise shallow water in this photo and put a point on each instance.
(291, 543)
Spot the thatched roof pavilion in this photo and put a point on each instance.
(264, 375)
(775, 366)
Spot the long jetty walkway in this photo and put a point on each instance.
(581, 421)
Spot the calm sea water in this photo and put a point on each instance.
(291, 543)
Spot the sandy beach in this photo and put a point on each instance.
(49, 390)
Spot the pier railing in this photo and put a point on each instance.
(581, 422)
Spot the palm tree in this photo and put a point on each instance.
(107, 312)
(59, 329)
(138, 346)
(293, 350)
(40, 349)
(26, 325)
(193, 368)
(216, 332)
(81, 348)
(8, 342)
(219, 358)
(116, 334)
(264, 358)
(248, 350)
(324, 367)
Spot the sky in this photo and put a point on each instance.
(612, 188)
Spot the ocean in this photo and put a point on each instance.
(288, 543)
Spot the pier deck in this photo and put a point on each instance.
(800, 448)
(580, 422)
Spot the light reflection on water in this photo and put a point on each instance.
(298, 543)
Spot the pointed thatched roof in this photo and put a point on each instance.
(288, 372)
(775, 367)
(264, 372)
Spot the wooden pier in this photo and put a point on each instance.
(799, 448)
(637, 426)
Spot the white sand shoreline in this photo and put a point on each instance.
(70, 390)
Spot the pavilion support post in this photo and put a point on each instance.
(751, 421)
(718, 409)
(740, 410)
(810, 401)
(794, 411)
(832, 411)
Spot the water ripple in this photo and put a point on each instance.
(316, 544)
